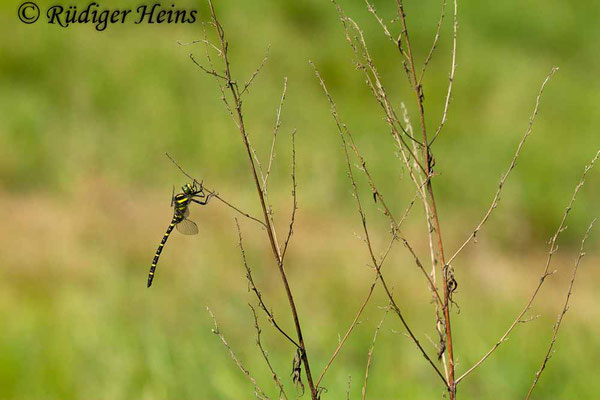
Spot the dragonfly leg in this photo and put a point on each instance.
(205, 199)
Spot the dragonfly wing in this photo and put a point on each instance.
(187, 227)
(186, 213)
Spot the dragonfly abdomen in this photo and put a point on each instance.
(175, 220)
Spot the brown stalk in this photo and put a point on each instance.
(343, 131)
(438, 306)
(452, 71)
(252, 287)
(562, 313)
(546, 272)
(231, 86)
(371, 350)
(368, 240)
(258, 392)
(417, 88)
(265, 355)
(368, 297)
(436, 38)
(512, 165)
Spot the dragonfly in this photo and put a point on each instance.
(191, 193)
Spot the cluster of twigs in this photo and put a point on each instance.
(415, 149)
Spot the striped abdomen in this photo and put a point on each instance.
(174, 221)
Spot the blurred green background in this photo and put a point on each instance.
(87, 117)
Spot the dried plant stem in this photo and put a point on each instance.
(343, 131)
(294, 197)
(256, 72)
(231, 86)
(512, 165)
(428, 162)
(367, 238)
(371, 349)
(368, 296)
(257, 390)
(430, 229)
(275, 131)
(282, 393)
(452, 71)
(562, 313)
(436, 38)
(252, 287)
(546, 272)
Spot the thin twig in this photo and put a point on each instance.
(257, 390)
(395, 40)
(448, 282)
(450, 79)
(436, 38)
(265, 355)
(348, 388)
(372, 76)
(562, 313)
(294, 197)
(430, 230)
(368, 296)
(253, 288)
(371, 349)
(208, 71)
(256, 72)
(512, 165)
(205, 41)
(234, 91)
(545, 273)
(220, 85)
(368, 240)
(275, 131)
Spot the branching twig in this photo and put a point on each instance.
(282, 393)
(512, 165)
(253, 288)
(275, 131)
(205, 41)
(257, 390)
(208, 71)
(450, 79)
(368, 296)
(562, 313)
(397, 41)
(545, 273)
(436, 38)
(448, 282)
(368, 240)
(371, 349)
(372, 76)
(235, 95)
(294, 196)
(256, 72)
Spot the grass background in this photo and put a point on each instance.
(87, 117)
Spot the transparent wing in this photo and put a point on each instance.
(186, 213)
(187, 227)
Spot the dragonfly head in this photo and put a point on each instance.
(188, 188)
(192, 188)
